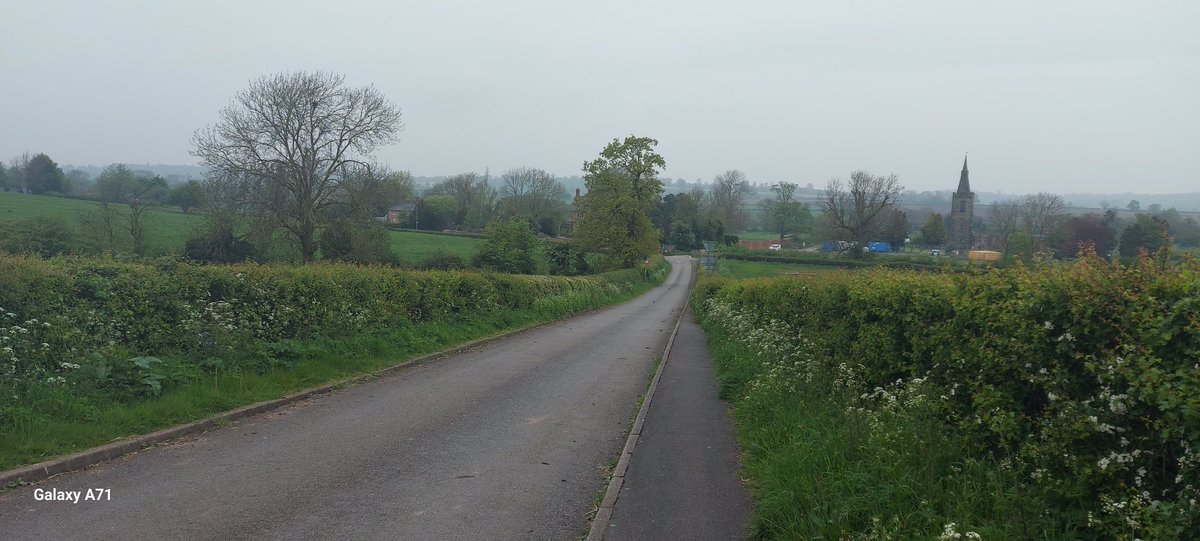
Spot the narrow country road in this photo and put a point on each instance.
(507, 441)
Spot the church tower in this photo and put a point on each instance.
(961, 210)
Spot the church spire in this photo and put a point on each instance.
(964, 184)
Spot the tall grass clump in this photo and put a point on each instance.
(1060, 402)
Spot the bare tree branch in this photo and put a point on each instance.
(856, 209)
(293, 141)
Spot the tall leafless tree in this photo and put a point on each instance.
(531, 193)
(729, 191)
(292, 139)
(18, 171)
(1041, 212)
(474, 198)
(1006, 220)
(857, 207)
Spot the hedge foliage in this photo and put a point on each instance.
(819, 258)
(1081, 379)
(58, 314)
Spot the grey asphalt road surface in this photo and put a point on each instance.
(508, 441)
(683, 480)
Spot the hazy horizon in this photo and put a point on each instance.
(1071, 98)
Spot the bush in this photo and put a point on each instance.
(1080, 380)
(38, 235)
(219, 245)
(566, 260)
(443, 260)
(509, 247)
(356, 241)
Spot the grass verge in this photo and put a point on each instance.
(820, 465)
(73, 423)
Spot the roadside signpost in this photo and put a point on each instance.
(709, 259)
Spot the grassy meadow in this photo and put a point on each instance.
(412, 248)
(739, 269)
(167, 228)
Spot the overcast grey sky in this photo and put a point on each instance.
(1061, 96)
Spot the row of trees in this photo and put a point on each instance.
(291, 157)
(468, 201)
(37, 174)
(1038, 223)
(290, 162)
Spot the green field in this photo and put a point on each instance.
(758, 235)
(734, 268)
(167, 228)
(413, 247)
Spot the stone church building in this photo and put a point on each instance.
(961, 210)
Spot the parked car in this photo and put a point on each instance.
(935, 252)
(775, 247)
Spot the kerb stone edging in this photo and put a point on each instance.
(600, 520)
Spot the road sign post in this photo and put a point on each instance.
(709, 259)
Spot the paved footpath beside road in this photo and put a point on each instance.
(505, 441)
(683, 481)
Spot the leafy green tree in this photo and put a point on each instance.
(433, 213)
(3, 177)
(565, 259)
(1020, 246)
(150, 188)
(509, 247)
(784, 214)
(623, 187)
(933, 233)
(42, 176)
(689, 207)
(663, 214)
(709, 227)
(634, 164)
(1146, 232)
(682, 236)
(117, 183)
(187, 196)
(474, 199)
